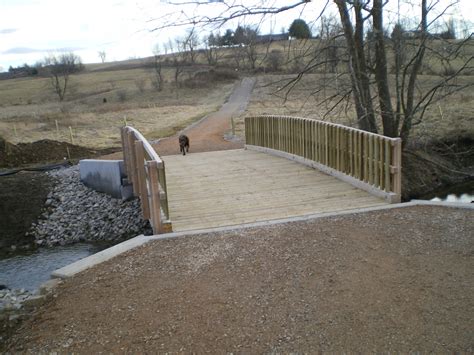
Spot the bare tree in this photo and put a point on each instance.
(211, 50)
(189, 44)
(250, 45)
(369, 84)
(157, 80)
(102, 56)
(59, 69)
(178, 63)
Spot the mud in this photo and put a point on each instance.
(21, 201)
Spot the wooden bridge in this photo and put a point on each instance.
(290, 167)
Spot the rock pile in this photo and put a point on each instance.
(13, 299)
(74, 213)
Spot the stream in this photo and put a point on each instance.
(29, 269)
(463, 193)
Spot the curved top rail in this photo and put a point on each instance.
(393, 140)
(146, 145)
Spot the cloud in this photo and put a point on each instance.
(22, 50)
(7, 31)
(26, 50)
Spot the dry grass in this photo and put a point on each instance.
(450, 117)
(30, 111)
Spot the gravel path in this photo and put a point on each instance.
(394, 280)
(209, 133)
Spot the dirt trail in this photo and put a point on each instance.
(208, 134)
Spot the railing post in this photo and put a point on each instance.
(162, 181)
(152, 167)
(397, 164)
(125, 149)
(133, 164)
(142, 185)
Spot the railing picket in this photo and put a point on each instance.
(381, 158)
(387, 166)
(376, 162)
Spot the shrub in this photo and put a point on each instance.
(140, 84)
(274, 60)
(122, 95)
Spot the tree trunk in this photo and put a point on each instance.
(388, 118)
(357, 65)
(415, 69)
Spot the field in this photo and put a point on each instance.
(30, 111)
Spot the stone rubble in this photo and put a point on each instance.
(11, 300)
(75, 213)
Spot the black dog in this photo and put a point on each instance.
(183, 143)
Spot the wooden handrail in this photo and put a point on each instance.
(146, 172)
(367, 160)
(152, 154)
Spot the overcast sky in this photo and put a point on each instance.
(32, 29)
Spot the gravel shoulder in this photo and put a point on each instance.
(394, 280)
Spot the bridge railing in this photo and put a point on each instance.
(366, 160)
(146, 171)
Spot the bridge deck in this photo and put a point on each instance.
(232, 187)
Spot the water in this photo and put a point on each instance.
(30, 269)
(463, 193)
(463, 198)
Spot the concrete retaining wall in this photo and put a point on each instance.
(106, 176)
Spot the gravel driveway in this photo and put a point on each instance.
(394, 280)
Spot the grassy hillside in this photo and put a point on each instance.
(30, 110)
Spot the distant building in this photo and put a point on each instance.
(272, 38)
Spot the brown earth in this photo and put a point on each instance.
(22, 195)
(22, 198)
(395, 280)
(43, 151)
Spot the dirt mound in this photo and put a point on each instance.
(22, 198)
(43, 151)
